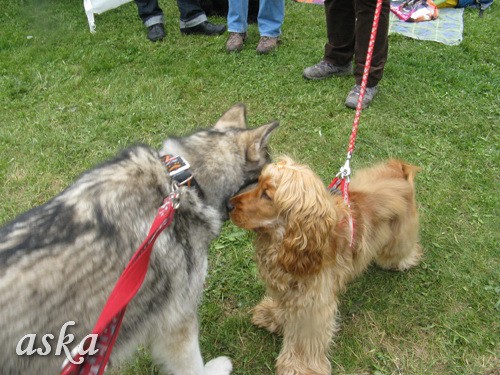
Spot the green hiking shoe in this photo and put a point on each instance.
(352, 97)
(324, 69)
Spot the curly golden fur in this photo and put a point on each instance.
(303, 248)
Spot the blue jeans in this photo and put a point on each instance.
(190, 10)
(269, 20)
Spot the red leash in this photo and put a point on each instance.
(342, 179)
(127, 286)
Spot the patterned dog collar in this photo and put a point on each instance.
(179, 170)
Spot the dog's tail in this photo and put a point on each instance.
(385, 189)
(408, 171)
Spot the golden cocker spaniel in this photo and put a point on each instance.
(304, 253)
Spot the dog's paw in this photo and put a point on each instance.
(293, 371)
(302, 368)
(264, 316)
(309, 363)
(401, 261)
(219, 366)
(412, 260)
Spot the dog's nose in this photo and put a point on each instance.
(229, 206)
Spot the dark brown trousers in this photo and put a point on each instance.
(348, 25)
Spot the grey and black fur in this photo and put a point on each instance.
(59, 261)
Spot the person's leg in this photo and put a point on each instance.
(237, 25)
(340, 27)
(365, 11)
(191, 13)
(237, 16)
(339, 48)
(149, 12)
(270, 17)
(193, 19)
(152, 17)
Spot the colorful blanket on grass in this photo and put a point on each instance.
(447, 28)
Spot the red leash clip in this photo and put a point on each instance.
(338, 184)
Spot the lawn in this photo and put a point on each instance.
(70, 99)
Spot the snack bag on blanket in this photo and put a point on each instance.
(415, 10)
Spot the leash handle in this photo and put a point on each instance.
(109, 322)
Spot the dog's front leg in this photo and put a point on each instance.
(177, 350)
(307, 335)
(268, 315)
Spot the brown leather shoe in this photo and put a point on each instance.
(235, 42)
(267, 44)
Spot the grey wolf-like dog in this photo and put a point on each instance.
(59, 261)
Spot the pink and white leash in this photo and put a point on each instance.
(342, 178)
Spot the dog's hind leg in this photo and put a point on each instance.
(177, 350)
(403, 251)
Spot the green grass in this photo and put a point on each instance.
(70, 99)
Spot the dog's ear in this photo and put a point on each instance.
(235, 117)
(303, 202)
(257, 140)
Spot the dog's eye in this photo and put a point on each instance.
(266, 196)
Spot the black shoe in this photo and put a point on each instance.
(156, 32)
(205, 28)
